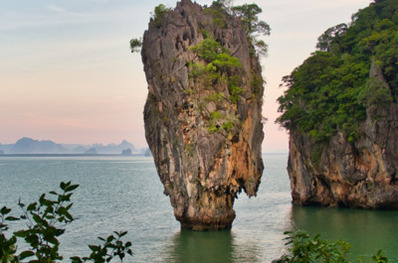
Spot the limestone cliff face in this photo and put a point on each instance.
(205, 140)
(359, 175)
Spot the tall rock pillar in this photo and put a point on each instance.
(203, 112)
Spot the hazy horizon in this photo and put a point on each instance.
(281, 150)
(68, 75)
(57, 142)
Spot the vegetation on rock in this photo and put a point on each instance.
(219, 9)
(135, 45)
(254, 27)
(157, 18)
(331, 90)
(248, 13)
(203, 112)
(159, 14)
(218, 65)
(215, 61)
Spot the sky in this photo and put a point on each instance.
(67, 74)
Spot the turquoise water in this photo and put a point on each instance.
(124, 193)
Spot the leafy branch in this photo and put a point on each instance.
(46, 221)
(303, 248)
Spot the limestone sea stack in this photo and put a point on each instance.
(203, 120)
(360, 174)
(341, 108)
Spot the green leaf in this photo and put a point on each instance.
(110, 239)
(59, 232)
(52, 240)
(20, 204)
(66, 197)
(42, 199)
(37, 219)
(21, 233)
(5, 210)
(61, 210)
(121, 234)
(76, 259)
(32, 239)
(69, 216)
(11, 218)
(26, 254)
(64, 185)
(71, 187)
(121, 256)
(93, 248)
(32, 206)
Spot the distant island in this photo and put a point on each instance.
(27, 145)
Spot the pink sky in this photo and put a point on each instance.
(67, 74)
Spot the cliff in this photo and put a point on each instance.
(203, 111)
(341, 110)
(360, 174)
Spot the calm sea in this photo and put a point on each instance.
(124, 193)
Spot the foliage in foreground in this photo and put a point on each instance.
(302, 248)
(47, 218)
(46, 221)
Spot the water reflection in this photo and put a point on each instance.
(191, 246)
(366, 230)
(218, 246)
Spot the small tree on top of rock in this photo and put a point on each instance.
(254, 27)
(159, 14)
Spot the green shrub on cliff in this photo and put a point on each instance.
(213, 53)
(157, 18)
(248, 13)
(135, 45)
(159, 14)
(217, 65)
(330, 91)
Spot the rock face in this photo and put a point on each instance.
(204, 133)
(359, 175)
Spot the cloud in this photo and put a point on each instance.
(6, 37)
(55, 8)
(54, 15)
